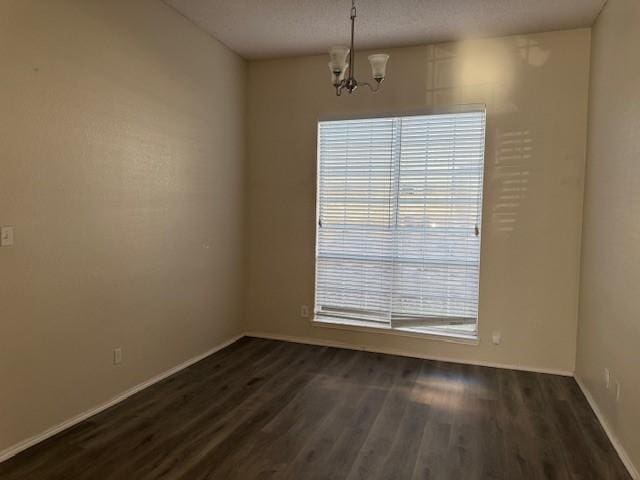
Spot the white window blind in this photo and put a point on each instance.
(399, 215)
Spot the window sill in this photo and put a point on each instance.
(373, 327)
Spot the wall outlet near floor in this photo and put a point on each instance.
(304, 311)
(117, 356)
(496, 338)
(607, 378)
(6, 236)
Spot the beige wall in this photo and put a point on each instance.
(535, 88)
(121, 150)
(121, 167)
(609, 327)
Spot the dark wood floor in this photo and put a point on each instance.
(263, 409)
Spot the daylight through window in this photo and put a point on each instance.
(399, 216)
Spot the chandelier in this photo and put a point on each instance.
(342, 60)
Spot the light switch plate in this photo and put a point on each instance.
(117, 356)
(6, 236)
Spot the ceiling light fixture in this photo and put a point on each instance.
(341, 59)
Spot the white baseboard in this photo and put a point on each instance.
(622, 453)
(404, 353)
(29, 442)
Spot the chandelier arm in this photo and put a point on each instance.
(373, 88)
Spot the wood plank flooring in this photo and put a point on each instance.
(262, 409)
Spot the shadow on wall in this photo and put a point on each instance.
(483, 71)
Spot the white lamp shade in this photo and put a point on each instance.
(336, 78)
(338, 58)
(378, 65)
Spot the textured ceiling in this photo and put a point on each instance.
(280, 28)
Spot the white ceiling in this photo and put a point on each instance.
(281, 28)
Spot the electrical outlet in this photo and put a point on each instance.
(607, 378)
(6, 236)
(117, 356)
(304, 311)
(496, 337)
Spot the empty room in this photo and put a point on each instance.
(328, 239)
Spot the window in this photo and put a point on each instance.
(399, 214)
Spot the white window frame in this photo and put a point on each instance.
(444, 332)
